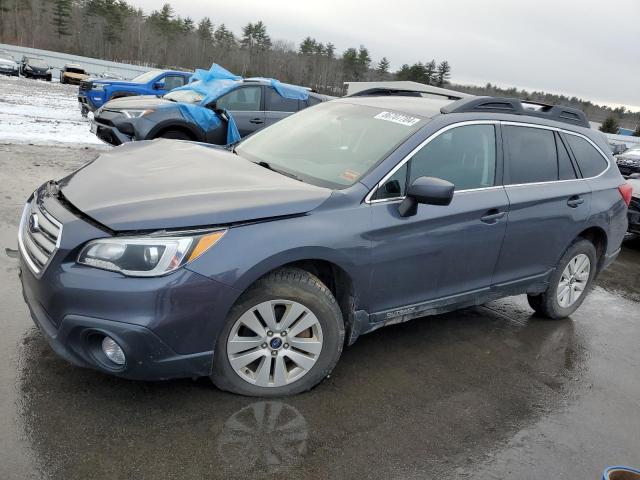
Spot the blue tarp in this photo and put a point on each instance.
(214, 83)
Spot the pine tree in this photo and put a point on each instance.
(61, 16)
(383, 66)
(308, 46)
(205, 30)
(637, 132)
(330, 51)
(430, 72)
(443, 73)
(610, 125)
(224, 38)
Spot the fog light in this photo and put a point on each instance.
(113, 351)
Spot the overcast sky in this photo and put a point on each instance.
(586, 48)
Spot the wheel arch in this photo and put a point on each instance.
(167, 125)
(336, 273)
(598, 237)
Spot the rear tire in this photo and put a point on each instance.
(174, 134)
(297, 299)
(570, 282)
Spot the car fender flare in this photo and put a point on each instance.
(287, 257)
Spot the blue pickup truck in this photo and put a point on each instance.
(94, 93)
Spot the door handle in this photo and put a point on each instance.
(257, 121)
(574, 201)
(492, 216)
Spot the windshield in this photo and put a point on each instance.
(36, 62)
(6, 56)
(75, 70)
(186, 96)
(146, 77)
(331, 144)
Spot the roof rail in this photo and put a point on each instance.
(515, 106)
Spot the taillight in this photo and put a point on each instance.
(626, 190)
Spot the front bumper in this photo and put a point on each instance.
(167, 326)
(9, 71)
(90, 100)
(109, 134)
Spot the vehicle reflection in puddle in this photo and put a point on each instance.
(269, 436)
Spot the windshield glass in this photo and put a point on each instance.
(6, 56)
(36, 62)
(187, 96)
(146, 77)
(332, 144)
(75, 70)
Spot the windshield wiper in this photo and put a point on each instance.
(281, 172)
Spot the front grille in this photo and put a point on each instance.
(86, 85)
(38, 237)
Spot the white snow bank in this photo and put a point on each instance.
(39, 112)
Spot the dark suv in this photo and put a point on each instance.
(256, 265)
(253, 104)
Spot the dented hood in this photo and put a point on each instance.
(166, 184)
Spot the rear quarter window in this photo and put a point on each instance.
(590, 161)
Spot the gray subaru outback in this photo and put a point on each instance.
(255, 265)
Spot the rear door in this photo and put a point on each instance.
(278, 107)
(549, 202)
(245, 104)
(441, 251)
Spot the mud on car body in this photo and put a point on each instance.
(256, 265)
(73, 74)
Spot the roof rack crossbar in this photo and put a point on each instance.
(515, 106)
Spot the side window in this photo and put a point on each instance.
(532, 155)
(173, 81)
(276, 103)
(465, 156)
(565, 166)
(589, 160)
(313, 101)
(244, 99)
(394, 187)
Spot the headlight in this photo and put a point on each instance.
(136, 113)
(146, 256)
(98, 87)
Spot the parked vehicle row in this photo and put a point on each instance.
(256, 263)
(253, 104)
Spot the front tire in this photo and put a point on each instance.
(283, 336)
(570, 282)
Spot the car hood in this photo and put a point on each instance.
(635, 155)
(81, 76)
(109, 81)
(139, 102)
(168, 184)
(6, 61)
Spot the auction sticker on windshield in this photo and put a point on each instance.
(397, 118)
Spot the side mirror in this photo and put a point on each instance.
(427, 190)
(158, 86)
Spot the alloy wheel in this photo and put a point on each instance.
(574, 280)
(274, 343)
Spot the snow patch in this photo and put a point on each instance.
(41, 113)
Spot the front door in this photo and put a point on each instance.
(442, 251)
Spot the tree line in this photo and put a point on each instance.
(115, 30)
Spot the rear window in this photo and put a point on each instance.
(590, 161)
(532, 155)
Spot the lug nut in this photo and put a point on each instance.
(274, 352)
(270, 333)
(286, 345)
(264, 345)
(283, 334)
